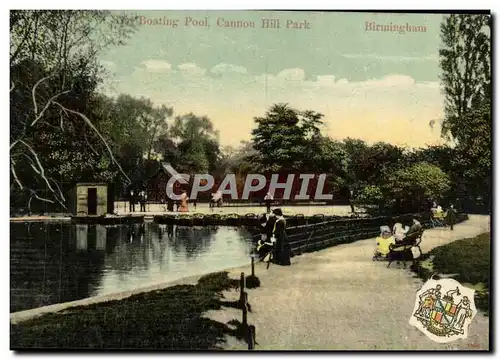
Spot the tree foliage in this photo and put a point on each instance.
(465, 59)
(282, 137)
(54, 76)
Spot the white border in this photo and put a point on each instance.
(186, 4)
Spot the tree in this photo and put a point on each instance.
(54, 75)
(409, 189)
(198, 142)
(282, 137)
(465, 59)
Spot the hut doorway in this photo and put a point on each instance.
(92, 201)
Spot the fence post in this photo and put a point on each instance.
(253, 266)
(251, 337)
(242, 286)
(244, 320)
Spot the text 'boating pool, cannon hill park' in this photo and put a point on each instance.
(221, 22)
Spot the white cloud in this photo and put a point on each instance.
(265, 78)
(191, 69)
(223, 68)
(392, 58)
(394, 103)
(295, 74)
(395, 80)
(157, 66)
(326, 79)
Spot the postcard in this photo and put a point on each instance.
(250, 180)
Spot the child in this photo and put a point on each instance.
(264, 246)
(383, 242)
(400, 232)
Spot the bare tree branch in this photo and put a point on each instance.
(90, 146)
(47, 105)
(60, 192)
(35, 195)
(41, 198)
(61, 120)
(32, 164)
(42, 170)
(14, 144)
(13, 170)
(89, 123)
(33, 92)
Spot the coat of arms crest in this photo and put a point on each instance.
(443, 310)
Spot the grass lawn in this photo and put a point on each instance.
(469, 259)
(168, 319)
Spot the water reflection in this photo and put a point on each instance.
(55, 262)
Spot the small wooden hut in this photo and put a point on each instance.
(90, 199)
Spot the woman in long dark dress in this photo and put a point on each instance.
(282, 251)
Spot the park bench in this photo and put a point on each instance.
(401, 251)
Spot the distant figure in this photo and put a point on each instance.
(184, 202)
(451, 216)
(282, 252)
(170, 204)
(415, 227)
(399, 232)
(194, 204)
(177, 205)
(143, 199)
(131, 202)
(268, 199)
(216, 199)
(437, 214)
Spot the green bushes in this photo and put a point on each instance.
(469, 259)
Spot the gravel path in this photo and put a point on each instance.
(338, 298)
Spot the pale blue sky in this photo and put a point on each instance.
(372, 85)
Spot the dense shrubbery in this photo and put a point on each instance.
(470, 259)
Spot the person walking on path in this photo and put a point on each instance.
(131, 202)
(452, 216)
(268, 199)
